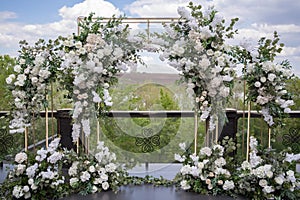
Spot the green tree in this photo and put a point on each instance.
(6, 68)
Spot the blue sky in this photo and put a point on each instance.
(34, 19)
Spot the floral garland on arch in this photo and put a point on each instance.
(36, 68)
(195, 45)
(94, 57)
(266, 80)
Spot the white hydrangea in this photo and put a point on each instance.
(21, 157)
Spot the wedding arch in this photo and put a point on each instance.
(87, 64)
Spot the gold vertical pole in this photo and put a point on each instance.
(77, 150)
(248, 131)
(195, 131)
(33, 131)
(52, 112)
(217, 130)
(26, 139)
(87, 145)
(244, 108)
(98, 131)
(269, 130)
(47, 128)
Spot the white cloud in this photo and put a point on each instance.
(12, 33)
(4, 15)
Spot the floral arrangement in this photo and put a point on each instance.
(208, 172)
(266, 80)
(95, 173)
(268, 175)
(36, 68)
(36, 178)
(195, 45)
(43, 175)
(94, 57)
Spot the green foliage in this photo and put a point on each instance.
(6, 68)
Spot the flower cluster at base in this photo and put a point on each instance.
(208, 172)
(42, 175)
(95, 173)
(268, 175)
(195, 46)
(38, 177)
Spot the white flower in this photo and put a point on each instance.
(183, 12)
(228, 185)
(184, 185)
(195, 158)
(44, 73)
(279, 180)
(257, 84)
(263, 79)
(17, 68)
(86, 127)
(246, 165)
(111, 167)
(105, 185)
(30, 171)
(182, 146)
(73, 181)
(200, 165)
(92, 169)
(85, 176)
(30, 181)
(179, 157)
(186, 169)
(21, 157)
(20, 169)
(205, 63)
(268, 189)
(103, 176)
(291, 157)
(263, 182)
(56, 156)
(26, 188)
(271, 77)
(20, 80)
(220, 162)
(94, 189)
(48, 174)
(41, 155)
(18, 191)
(10, 78)
(205, 151)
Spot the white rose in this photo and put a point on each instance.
(26, 189)
(263, 79)
(263, 182)
(279, 180)
(257, 84)
(92, 169)
(271, 77)
(184, 185)
(17, 68)
(105, 185)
